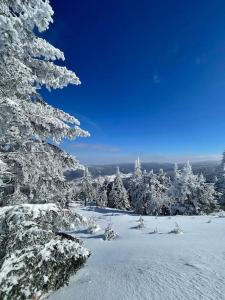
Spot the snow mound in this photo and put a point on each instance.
(36, 256)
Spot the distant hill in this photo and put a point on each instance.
(208, 168)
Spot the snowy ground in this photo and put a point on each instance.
(140, 265)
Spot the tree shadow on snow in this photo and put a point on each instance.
(136, 227)
(78, 231)
(100, 236)
(106, 211)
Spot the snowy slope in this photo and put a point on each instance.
(140, 265)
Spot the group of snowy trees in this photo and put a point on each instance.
(33, 253)
(220, 181)
(192, 191)
(155, 194)
(103, 194)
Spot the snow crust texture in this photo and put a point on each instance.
(139, 265)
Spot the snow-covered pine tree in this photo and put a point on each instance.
(37, 258)
(190, 193)
(135, 183)
(93, 226)
(109, 233)
(3, 173)
(87, 191)
(101, 195)
(223, 159)
(154, 201)
(28, 123)
(220, 181)
(205, 195)
(143, 192)
(137, 168)
(118, 197)
(182, 188)
(159, 202)
(174, 189)
(164, 180)
(140, 223)
(38, 174)
(153, 194)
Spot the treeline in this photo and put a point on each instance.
(150, 193)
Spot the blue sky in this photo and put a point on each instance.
(153, 78)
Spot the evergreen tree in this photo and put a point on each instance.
(87, 192)
(137, 168)
(35, 257)
(190, 193)
(206, 195)
(220, 181)
(101, 195)
(109, 233)
(30, 126)
(140, 205)
(153, 194)
(118, 197)
(135, 184)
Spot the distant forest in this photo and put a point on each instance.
(208, 168)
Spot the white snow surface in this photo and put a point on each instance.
(139, 265)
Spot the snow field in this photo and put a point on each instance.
(140, 265)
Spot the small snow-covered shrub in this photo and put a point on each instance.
(221, 214)
(177, 229)
(110, 233)
(35, 256)
(141, 223)
(93, 226)
(155, 231)
(140, 219)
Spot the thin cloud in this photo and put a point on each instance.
(95, 147)
(116, 158)
(85, 120)
(201, 60)
(156, 79)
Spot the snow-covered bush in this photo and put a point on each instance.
(141, 223)
(109, 233)
(221, 214)
(36, 257)
(177, 229)
(155, 231)
(93, 226)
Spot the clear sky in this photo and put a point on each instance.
(153, 77)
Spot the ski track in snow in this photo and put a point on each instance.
(143, 266)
